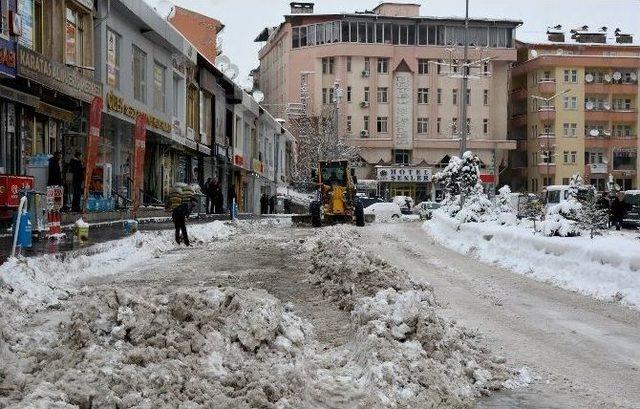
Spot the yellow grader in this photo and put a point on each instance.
(336, 200)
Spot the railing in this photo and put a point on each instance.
(546, 135)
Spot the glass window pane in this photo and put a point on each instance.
(303, 36)
(422, 34)
(432, 35)
(362, 32)
(370, 33)
(395, 33)
(379, 30)
(387, 33)
(403, 34)
(345, 31)
(354, 32)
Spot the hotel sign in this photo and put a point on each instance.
(403, 110)
(117, 104)
(57, 76)
(403, 174)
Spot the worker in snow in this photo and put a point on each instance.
(179, 216)
(618, 210)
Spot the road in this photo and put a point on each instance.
(585, 352)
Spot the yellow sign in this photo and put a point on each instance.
(117, 104)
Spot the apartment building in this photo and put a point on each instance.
(574, 109)
(394, 78)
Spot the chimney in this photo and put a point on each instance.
(301, 8)
(555, 34)
(622, 38)
(583, 35)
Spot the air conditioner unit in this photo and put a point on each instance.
(191, 134)
(364, 104)
(365, 73)
(364, 133)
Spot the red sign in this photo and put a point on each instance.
(486, 178)
(10, 187)
(139, 141)
(95, 122)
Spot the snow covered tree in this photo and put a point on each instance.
(562, 218)
(592, 217)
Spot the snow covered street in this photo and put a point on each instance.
(262, 314)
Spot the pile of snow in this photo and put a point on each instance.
(237, 348)
(402, 350)
(44, 280)
(604, 267)
(300, 198)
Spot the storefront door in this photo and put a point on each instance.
(403, 190)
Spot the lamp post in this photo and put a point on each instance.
(546, 101)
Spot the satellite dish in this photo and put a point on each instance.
(594, 132)
(588, 78)
(534, 53)
(232, 72)
(258, 96)
(559, 51)
(633, 76)
(617, 76)
(607, 132)
(607, 106)
(607, 77)
(589, 105)
(222, 63)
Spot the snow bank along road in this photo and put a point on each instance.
(586, 352)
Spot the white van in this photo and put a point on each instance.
(555, 194)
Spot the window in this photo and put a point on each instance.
(569, 157)
(38, 23)
(569, 130)
(367, 64)
(366, 94)
(454, 96)
(622, 131)
(328, 96)
(402, 156)
(382, 124)
(468, 97)
(348, 64)
(383, 95)
(423, 125)
(423, 66)
(74, 38)
(571, 76)
(485, 97)
(177, 95)
(454, 126)
(622, 104)
(485, 68)
(349, 124)
(349, 94)
(365, 122)
(158, 87)
(571, 103)
(324, 95)
(193, 104)
(113, 59)
(139, 72)
(423, 95)
(439, 96)
(438, 125)
(485, 126)
(327, 65)
(439, 69)
(383, 65)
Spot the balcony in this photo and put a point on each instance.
(519, 94)
(547, 168)
(547, 114)
(518, 120)
(547, 86)
(608, 142)
(609, 88)
(546, 135)
(625, 116)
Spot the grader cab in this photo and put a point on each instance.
(336, 200)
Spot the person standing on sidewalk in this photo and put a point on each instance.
(55, 173)
(232, 199)
(206, 189)
(618, 210)
(179, 216)
(77, 175)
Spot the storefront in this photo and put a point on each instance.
(409, 181)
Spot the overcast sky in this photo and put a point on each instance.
(244, 19)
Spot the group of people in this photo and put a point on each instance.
(214, 200)
(268, 204)
(75, 168)
(617, 208)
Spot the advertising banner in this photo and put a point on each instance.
(93, 139)
(139, 142)
(25, 10)
(111, 58)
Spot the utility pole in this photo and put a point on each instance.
(465, 82)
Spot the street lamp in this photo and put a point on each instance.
(546, 101)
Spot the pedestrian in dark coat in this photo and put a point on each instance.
(179, 216)
(218, 199)
(231, 198)
(55, 173)
(207, 197)
(272, 204)
(264, 204)
(618, 210)
(77, 176)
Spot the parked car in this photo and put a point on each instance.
(406, 203)
(384, 211)
(632, 199)
(555, 194)
(425, 209)
(368, 201)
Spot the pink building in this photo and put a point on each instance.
(401, 97)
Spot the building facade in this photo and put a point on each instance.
(394, 78)
(574, 109)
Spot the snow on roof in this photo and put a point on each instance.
(379, 16)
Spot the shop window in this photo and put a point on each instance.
(139, 73)
(113, 59)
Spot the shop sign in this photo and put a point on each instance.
(117, 104)
(190, 144)
(54, 112)
(257, 166)
(57, 76)
(8, 57)
(11, 118)
(403, 174)
(25, 10)
(238, 160)
(21, 97)
(93, 139)
(204, 149)
(112, 42)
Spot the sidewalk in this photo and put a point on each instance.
(102, 229)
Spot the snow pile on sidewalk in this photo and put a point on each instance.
(605, 267)
(237, 348)
(44, 280)
(402, 352)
